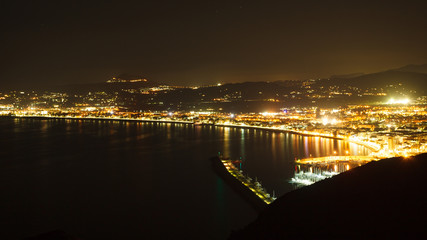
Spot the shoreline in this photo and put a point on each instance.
(104, 118)
(308, 134)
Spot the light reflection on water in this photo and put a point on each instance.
(307, 174)
(271, 156)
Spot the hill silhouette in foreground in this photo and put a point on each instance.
(384, 199)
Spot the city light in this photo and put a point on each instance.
(383, 129)
(326, 121)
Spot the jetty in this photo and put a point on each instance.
(249, 189)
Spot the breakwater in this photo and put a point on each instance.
(250, 190)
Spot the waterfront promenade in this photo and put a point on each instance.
(334, 159)
(370, 145)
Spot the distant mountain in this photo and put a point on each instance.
(381, 79)
(414, 68)
(351, 75)
(387, 79)
(230, 91)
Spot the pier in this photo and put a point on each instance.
(248, 189)
(254, 186)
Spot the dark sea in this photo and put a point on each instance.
(99, 179)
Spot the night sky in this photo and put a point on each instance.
(205, 42)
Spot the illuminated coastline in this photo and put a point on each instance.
(369, 145)
(397, 128)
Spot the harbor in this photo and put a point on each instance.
(314, 169)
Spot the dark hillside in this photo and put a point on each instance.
(384, 199)
(414, 68)
(103, 87)
(388, 80)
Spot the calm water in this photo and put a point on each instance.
(112, 179)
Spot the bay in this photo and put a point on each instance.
(119, 180)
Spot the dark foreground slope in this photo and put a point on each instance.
(384, 199)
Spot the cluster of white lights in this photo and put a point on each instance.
(89, 109)
(399, 101)
(326, 121)
(269, 114)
